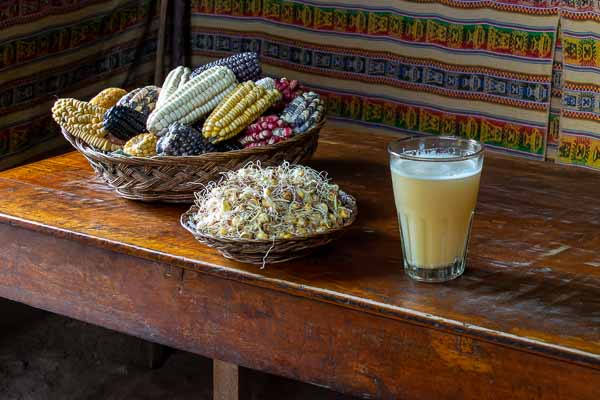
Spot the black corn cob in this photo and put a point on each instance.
(229, 145)
(245, 66)
(181, 140)
(123, 122)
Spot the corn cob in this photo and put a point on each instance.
(304, 112)
(267, 83)
(99, 143)
(192, 101)
(289, 91)
(246, 103)
(143, 145)
(123, 122)
(142, 100)
(79, 117)
(82, 120)
(266, 130)
(108, 97)
(181, 140)
(125, 99)
(229, 145)
(176, 78)
(245, 66)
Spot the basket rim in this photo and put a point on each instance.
(108, 156)
(350, 203)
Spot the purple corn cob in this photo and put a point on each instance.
(245, 66)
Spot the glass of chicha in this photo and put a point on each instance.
(436, 181)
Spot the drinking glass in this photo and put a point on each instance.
(435, 181)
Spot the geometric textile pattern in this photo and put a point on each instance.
(65, 49)
(479, 69)
(579, 141)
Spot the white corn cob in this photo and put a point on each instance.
(267, 83)
(187, 73)
(195, 99)
(175, 79)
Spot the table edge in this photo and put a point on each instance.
(539, 347)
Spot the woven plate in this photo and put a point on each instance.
(175, 179)
(279, 250)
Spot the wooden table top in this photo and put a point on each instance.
(532, 281)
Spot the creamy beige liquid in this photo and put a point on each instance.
(435, 202)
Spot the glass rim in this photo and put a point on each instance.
(476, 144)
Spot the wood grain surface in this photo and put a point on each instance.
(273, 331)
(529, 300)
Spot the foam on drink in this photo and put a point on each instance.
(435, 203)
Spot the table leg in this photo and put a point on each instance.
(226, 380)
(156, 355)
(146, 354)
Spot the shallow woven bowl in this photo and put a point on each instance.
(175, 179)
(254, 251)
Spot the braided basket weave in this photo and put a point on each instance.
(175, 179)
(269, 251)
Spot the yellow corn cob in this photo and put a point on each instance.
(238, 110)
(98, 142)
(190, 102)
(108, 97)
(142, 145)
(79, 117)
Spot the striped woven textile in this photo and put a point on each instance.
(500, 71)
(65, 48)
(579, 141)
(483, 69)
(555, 101)
(479, 69)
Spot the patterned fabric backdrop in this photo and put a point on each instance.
(500, 71)
(579, 138)
(484, 69)
(65, 48)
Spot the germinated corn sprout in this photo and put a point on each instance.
(270, 203)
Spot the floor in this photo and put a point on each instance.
(44, 356)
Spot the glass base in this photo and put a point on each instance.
(439, 274)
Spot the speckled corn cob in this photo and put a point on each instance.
(175, 79)
(245, 66)
(143, 145)
(246, 103)
(125, 99)
(192, 101)
(108, 97)
(267, 83)
(304, 112)
(181, 140)
(142, 100)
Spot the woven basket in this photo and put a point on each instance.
(175, 179)
(268, 251)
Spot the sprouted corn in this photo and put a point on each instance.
(270, 203)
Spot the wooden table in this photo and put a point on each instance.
(522, 323)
